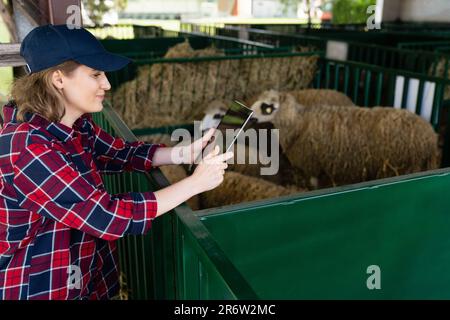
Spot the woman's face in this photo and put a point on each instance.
(84, 90)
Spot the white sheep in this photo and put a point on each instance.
(341, 145)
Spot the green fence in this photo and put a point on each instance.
(432, 46)
(383, 36)
(364, 241)
(129, 31)
(145, 51)
(369, 85)
(343, 243)
(435, 28)
(407, 57)
(312, 245)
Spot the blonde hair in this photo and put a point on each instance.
(35, 93)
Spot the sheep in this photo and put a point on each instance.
(238, 188)
(321, 97)
(310, 97)
(342, 145)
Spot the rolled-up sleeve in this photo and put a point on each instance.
(113, 155)
(47, 183)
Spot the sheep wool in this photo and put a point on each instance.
(343, 145)
(321, 97)
(307, 97)
(348, 145)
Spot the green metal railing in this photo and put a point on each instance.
(385, 35)
(405, 27)
(141, 49)
(384, 239)
(129, 31)
(146, 51)
(406, 57)
(432, 46)
(177, 259)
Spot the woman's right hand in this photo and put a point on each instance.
(209, 172)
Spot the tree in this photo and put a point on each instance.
(97, 8)
(351, 11)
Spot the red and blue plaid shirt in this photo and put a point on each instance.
(56, 219)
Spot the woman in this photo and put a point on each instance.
(56, 219)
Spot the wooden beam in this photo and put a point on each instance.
(6, 15)
(35, 12)
(9, 55)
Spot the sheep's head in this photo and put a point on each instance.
(276, 107)
(266, 106)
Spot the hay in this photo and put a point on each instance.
(282, 177)
(238, 188)
(342, 145)
(176, 93)
(184, 50)
(124, 291)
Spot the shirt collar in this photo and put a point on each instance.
(57, 129)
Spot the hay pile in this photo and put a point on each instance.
(238, 188)
(250, 168)
(175, 93)
(184, 50)
(343, 145)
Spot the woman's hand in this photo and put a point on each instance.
(209, 173)
(190, 153)
(181, 154)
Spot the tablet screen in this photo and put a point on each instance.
(235, 119)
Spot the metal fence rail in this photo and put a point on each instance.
(406, 57)
(129, 31)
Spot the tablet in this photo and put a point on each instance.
(236, 117)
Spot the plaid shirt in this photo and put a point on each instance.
(56, 219)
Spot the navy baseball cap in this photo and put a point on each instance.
(50, 45)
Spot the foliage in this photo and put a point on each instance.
(351, 11)
(344, 11)
(97, 8)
